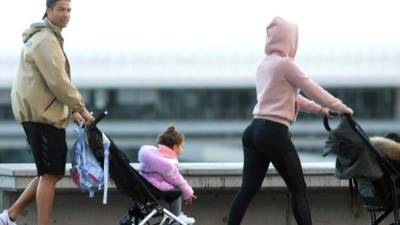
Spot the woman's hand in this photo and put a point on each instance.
(324, 111)
(347, 110)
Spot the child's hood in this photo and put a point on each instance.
(167, 152)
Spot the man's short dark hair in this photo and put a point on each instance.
(50, 4)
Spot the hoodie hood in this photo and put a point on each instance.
(35, 27)
(282, 38)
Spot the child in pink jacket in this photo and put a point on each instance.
(159, 166)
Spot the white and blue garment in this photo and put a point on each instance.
(86, 171)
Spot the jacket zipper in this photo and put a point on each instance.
(48, 106)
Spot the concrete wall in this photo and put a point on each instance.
(329, 198)
(211, 208)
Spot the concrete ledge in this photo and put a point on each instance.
(202, 176)
(215, 185)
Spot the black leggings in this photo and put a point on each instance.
(266, 141)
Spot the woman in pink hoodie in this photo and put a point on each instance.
(267, 139)
(159, 166)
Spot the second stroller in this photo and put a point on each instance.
(146, 208)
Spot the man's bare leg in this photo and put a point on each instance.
(24, 199)
(45, 197)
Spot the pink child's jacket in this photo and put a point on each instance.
(279, 79)
(159, 166)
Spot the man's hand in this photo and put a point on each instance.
(87, 116)
(77, 118)
(82, 117)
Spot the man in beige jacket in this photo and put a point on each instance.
(43, 101)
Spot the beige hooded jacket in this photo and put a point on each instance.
(42, 91)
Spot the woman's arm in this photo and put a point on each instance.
(311, 89)
(308, 105)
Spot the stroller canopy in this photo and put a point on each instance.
(356, 157)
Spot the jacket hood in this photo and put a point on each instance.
(282, 38)
(167, 152)
(35, 27)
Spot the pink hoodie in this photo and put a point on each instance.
(159, 166)
(279, 79)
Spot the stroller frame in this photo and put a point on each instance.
(141, 215)
(145, 204)
(388, 167)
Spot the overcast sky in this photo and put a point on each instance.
(207, 24)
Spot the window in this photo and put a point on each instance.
(211, 104)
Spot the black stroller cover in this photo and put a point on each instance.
(353, 157)
(358, 160)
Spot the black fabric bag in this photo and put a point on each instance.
(354, 158)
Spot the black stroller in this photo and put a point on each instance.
(376, 177)
(146, 208)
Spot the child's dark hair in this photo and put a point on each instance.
(170, 137)
(393, 136)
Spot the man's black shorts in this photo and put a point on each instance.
(49, 147)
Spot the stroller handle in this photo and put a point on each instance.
(334, 113)
(99, 118)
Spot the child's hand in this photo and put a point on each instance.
(190, 200)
